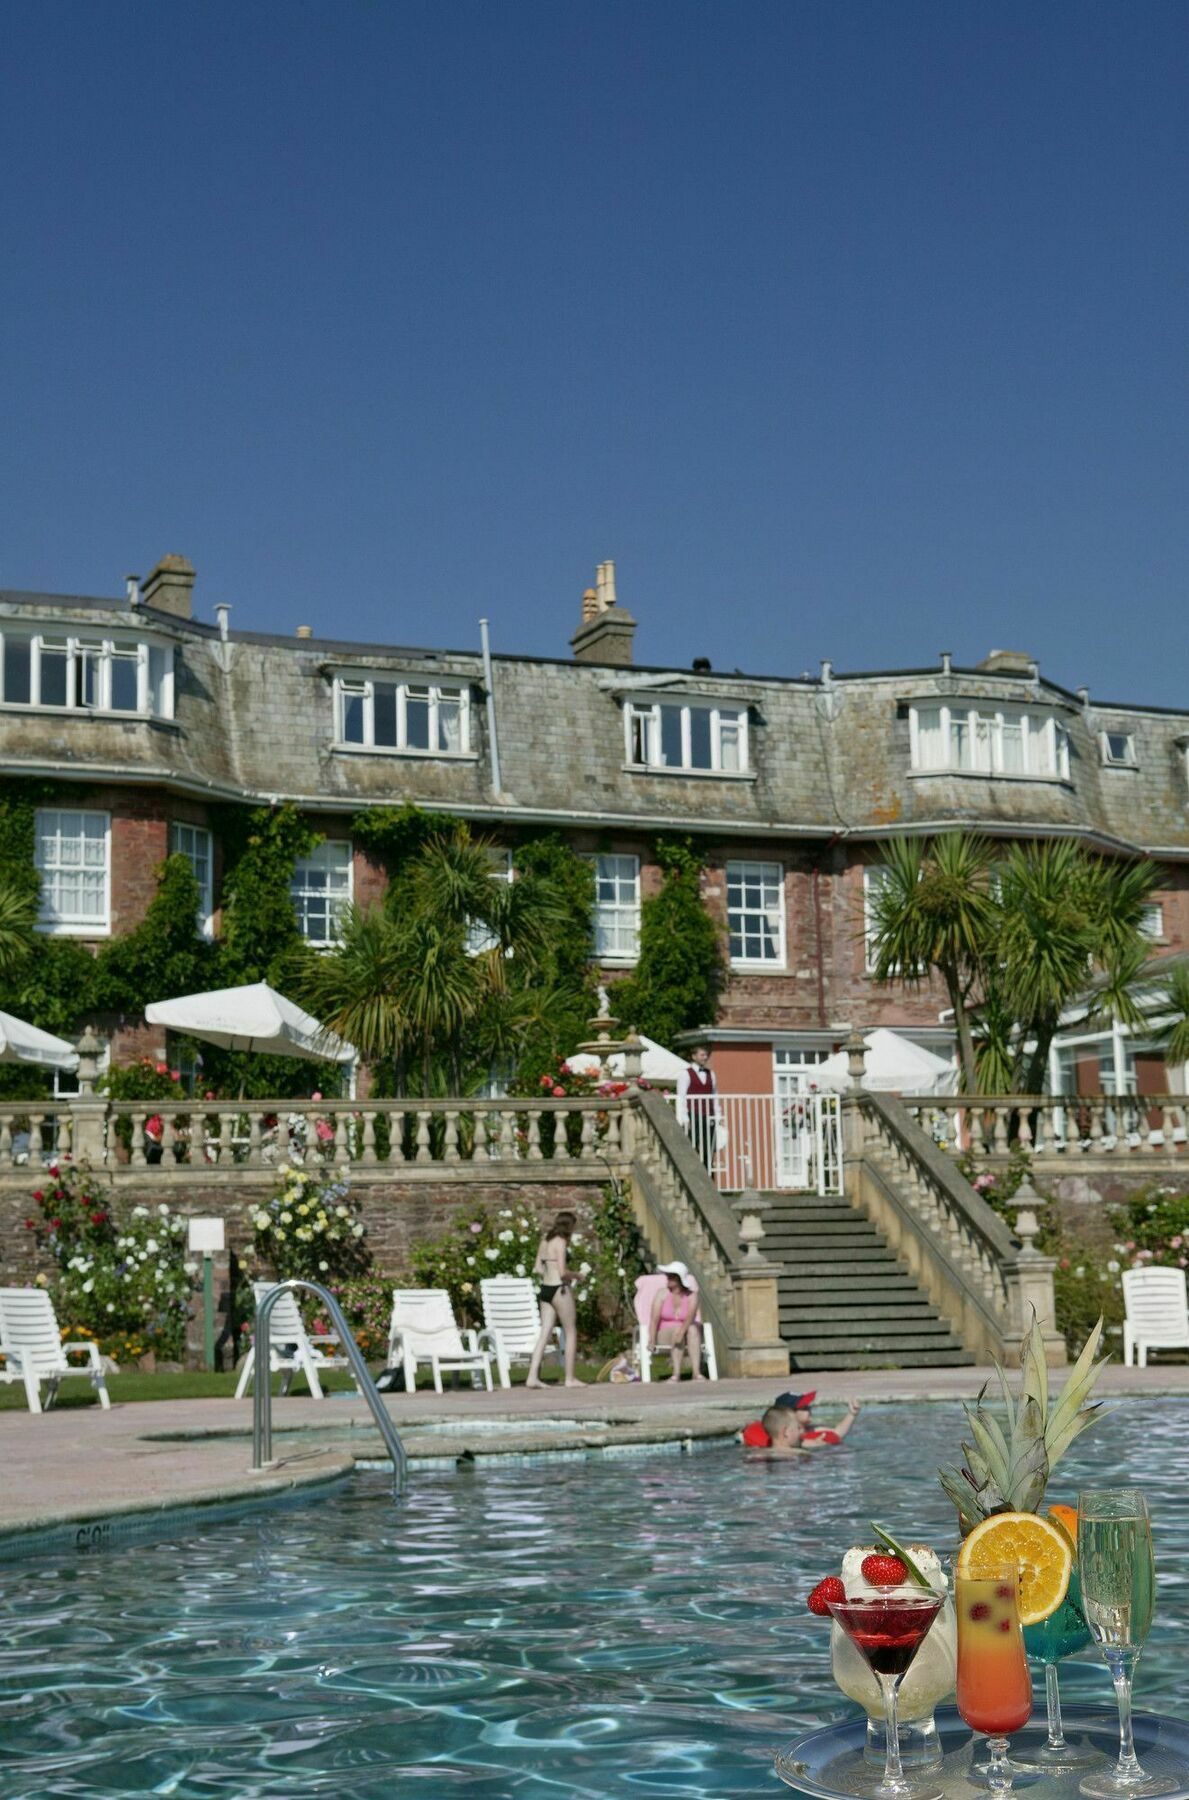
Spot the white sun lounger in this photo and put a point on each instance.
(32, 1350)
(423, 1330)
(1157, 1313)
(291, 1349)
(512, 1322)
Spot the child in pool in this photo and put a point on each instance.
(787, 1425)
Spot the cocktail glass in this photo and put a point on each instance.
(929, 1681)
(994, 1686)
(1061, 1634)
(1118, 1592)
(888, 1632)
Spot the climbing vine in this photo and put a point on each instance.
(677, 979)
(260, 929)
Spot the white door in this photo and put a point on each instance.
(793, 1080)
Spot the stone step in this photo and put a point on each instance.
(876, 1334)
(956, 1358)
(801, 1318)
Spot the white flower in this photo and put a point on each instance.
(323, 1267)
(520, 1268)
(1104, 1278)
(262, 1221)
(584, 1268)
(111, 1306)
(470, 1262)
(1080, 1270)
(163, 1210)
(286, 1218)
(505, 1237)
(582, 1294)
(150, 1245)
(491, 1255)
(140, 1212)
(283, 1168)
(280, 1235)
(190, 1268)
(1113, 1267)
(357, 1231)
(505, 1212)
(621, 1273)
(340, 1212)
(88, 1284)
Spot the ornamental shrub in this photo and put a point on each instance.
(309, 1229)
(366, 1301)
(124, 1278)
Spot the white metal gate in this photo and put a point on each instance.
(790, 1139)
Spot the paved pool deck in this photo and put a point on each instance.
(83, 1466)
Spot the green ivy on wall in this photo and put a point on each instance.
(163, 955)
(260, 931)
(676, 982)
(567, 980)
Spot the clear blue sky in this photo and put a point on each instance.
(849, 330)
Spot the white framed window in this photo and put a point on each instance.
(480, 938)
(617, 908)
(983, 741)
(72, 851)
(1118, 749)
(874, 878)
(85, 673)
(194, 843)
(1151, 920)
(321, 890)
(426, 718)
(755, 914)
(667, 734)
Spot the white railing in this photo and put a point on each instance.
(770, 1141)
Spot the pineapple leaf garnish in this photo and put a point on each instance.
(1008, 1470)
(889, 1543)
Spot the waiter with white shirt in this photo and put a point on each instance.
(699, 1108)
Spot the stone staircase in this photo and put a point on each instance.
(845, 1301)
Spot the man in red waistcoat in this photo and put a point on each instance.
(698, 1106)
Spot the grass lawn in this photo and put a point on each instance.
(195, 1384)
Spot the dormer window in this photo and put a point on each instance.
(1118, 749)
(666, 734)
(86, 673)
(375, 712)
(980, 740)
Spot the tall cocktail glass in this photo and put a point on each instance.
(889, 1632)
(1118, 1593)
(994, 1686)
(1062, 1634)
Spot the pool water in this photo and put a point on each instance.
(593, 1629)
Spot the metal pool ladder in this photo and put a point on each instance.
(262, 1383)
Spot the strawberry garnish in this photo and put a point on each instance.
(825, 1591)
(883, 1571)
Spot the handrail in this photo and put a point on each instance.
(980, 1218)
(262, 1392)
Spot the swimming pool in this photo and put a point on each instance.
(612, 1630)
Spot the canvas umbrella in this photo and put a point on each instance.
(20, 1042)
(254, 1017)
(894, 1065)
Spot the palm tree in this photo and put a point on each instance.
(1063, 916)
(18, 914)
(1176, 1045)
(934, 910)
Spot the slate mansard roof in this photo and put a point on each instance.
(829, 759)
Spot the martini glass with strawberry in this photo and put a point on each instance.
(888, 1630)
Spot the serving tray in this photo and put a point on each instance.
(829, 1762)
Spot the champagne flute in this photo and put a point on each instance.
(889, 1630)
(1118, 1590)
(994, 1686)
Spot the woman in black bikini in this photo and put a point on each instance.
(556, 1298)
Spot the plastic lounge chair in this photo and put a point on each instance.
(647, 1287)
(512, 1323)
(1157, 1313)
(291, 1349)
(423, 1331)
(32, 1350)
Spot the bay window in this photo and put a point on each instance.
(666, 734)
(85, 672)
(375, 713)
(981, 740)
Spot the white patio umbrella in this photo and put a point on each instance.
(656, 1063)
(20, 1042)
(254, 1017)
(894, 1065)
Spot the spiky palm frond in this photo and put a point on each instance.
(1176, 1044)
(18, 915)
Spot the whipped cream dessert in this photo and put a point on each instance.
(859, 1588)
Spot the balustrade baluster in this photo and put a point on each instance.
(1024, 1132)
(507, 1135)
(451, 1150)
(342, 1137)
(615, 1120)
(197, 1140)
(1097, 1120)
(423, 1152)
(561, 1136)
(479, 1153)
(534, 1135)
(978, 1132)
(255, 1136)
(6, 1140)
(586, 1147)
(1147, 1135)
(999, 1132)
(138, 1159)
(367, 1144)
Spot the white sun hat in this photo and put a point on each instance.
(679, 1269)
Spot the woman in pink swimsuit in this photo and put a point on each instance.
(674, 1321)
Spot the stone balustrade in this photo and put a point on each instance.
(1068, 1125)
(216, 1137)
(984, 1281)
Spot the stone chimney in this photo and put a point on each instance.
(1008, 662)
(606, 632)
(170, 586)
